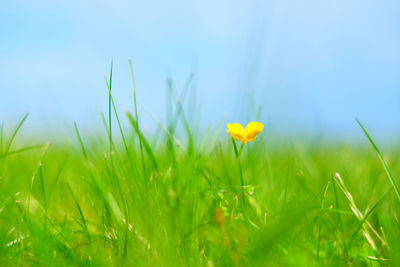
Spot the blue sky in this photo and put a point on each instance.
(310, 65)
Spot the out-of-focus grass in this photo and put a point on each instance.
(140, 199)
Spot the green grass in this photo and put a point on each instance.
(180, 197)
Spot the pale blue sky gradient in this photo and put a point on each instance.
(310, 65)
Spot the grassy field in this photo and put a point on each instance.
(136, 198)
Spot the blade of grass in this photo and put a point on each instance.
(367, 227)
(116, 115)
(57, 176)
(215, 134)
(385, 166)
(205, 137)
(136, 115)
(80, 141)
(39, 164)
(171, 122)
(180, 100)
(103, 119)
(109, 107)
(180, 111)
(339, 218)
(186, 125)
(80, 212)
(320, 219)
(285, 190)
(364, 220)
(162, 127)
(44, 195)
(238, 154)
(143, 140)
(1, 135)
(14, 133)
(22, 150)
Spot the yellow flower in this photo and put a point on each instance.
(245, 135)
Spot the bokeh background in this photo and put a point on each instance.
(310, 65)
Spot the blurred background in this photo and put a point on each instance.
(310, 66)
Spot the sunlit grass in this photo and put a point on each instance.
(156, 199)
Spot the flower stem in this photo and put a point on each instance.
(238, 155)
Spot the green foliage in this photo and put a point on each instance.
(155, 199)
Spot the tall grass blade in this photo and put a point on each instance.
(80, 141)
(14, 133)
(385, 166)
(143, 140)
(109, 107)
(238, 154)
(80, 212)
(116, 115)
(368, 229)
(162, 127)
(22, 150)
(320, 218)
(1, 135)
(136, 115)
(44, 195)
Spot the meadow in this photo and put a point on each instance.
(179, 196)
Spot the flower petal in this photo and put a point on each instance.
(253, 129)
(237, 131)
(237, 137)
(235, 128)
(251, 139)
